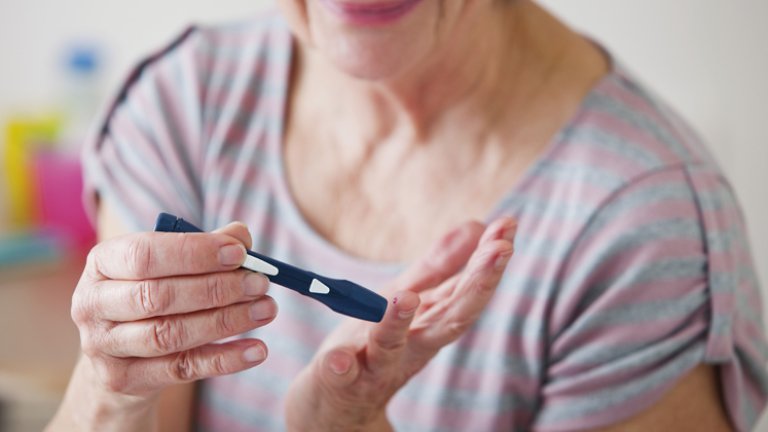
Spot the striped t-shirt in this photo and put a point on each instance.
(631, 262)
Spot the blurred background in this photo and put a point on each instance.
(63, 60)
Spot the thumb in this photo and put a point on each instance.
(239, 231)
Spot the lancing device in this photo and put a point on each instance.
(343, 296)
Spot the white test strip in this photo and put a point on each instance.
(257, 265)
(318, 287)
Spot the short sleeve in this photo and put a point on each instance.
(145, 156)
(636, 309)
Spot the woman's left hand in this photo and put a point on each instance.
(361, 365)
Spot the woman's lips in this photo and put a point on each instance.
(376, 13)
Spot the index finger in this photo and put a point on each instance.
(387, 339)
(158, 254)
(451, 316)
(445, 258)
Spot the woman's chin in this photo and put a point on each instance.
(374, 60)
(369, 69)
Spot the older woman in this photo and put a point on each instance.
(348, 136)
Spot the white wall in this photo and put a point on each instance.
(707, 57)
(33, 31)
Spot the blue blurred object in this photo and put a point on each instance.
(80, 92)
(29, 248)
(83, 59)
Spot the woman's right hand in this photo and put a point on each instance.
(150, 306)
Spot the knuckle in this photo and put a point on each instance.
(218, 365)
(225, 322)
(149, 299)
(183, 367)
(84, 303)
(167, 335)
(92, 262)
(188, 250)
(188, 366)
(79, 312)
(138, 256)
(217, 290)
(94, 266)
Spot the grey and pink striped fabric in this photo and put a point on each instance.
(632, 264)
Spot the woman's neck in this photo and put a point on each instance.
(494, 64)
(405, 159)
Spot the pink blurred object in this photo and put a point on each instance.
(59, 185)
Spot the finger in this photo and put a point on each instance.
(454, 315)
(478, 285)
(159, 254)
(387, 339)
(238, 230)
(165, 335)
(138, 300)
(203, 362)
(502, 228)
(444, 259)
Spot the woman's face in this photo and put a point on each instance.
(377, 39)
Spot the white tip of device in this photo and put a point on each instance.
(257, 265)
(318, 287)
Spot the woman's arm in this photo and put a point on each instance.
(694, 404)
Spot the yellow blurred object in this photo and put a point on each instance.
(23, 136)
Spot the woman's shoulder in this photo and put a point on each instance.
(160, 123)
(625, 162)
(203, 64)
(222, 53)
(256, 37)
(635, 242)
(259, 34)
(625, 128)
(621, 138)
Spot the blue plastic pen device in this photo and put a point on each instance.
(343, 296)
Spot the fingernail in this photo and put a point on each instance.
(255, 284)
(261, 310)
(242, 224)
(232, 255)
(339, 363)
(502, 259)
(254, 354)
(407, 310)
